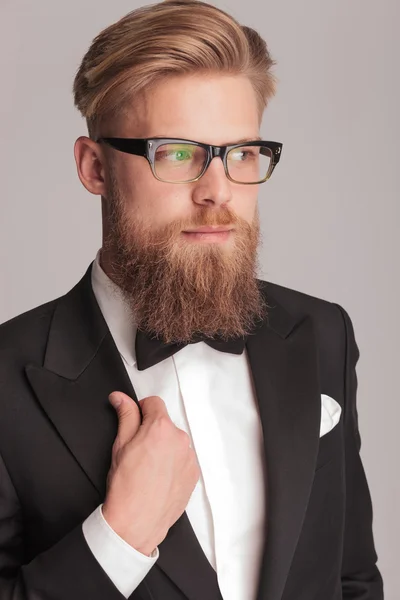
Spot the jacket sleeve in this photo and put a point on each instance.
(361, 578)
(66, 571)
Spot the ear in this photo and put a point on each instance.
(90, 164)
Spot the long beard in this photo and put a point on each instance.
(175, 289)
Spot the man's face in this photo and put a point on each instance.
(215, 110)
(178, 283)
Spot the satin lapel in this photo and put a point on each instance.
(284, 365)
(82, 366)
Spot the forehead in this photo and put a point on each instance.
(214, 109)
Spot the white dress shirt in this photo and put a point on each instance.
(210, 395)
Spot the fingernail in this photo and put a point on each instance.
(115, 399)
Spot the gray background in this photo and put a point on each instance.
(330, 213)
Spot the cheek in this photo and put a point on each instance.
(159, 203)
(245, 205)
(142, 191)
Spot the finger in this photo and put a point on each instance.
(128, 416)
(153, 407)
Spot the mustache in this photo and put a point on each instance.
(206, 217)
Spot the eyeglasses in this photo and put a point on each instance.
(175, 160)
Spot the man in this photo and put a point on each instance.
(173, 427)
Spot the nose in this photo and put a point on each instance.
(213, 187)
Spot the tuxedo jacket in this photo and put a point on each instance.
(59, 363)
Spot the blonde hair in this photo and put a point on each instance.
(170, 38)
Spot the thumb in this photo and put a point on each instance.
(128, 416)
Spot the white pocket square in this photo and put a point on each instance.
(330, 414)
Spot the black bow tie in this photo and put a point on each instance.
(150, 351)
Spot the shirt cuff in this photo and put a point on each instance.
(124, 565)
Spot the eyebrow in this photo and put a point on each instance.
(241, 141)
(249, 139)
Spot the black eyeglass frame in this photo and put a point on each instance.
(147, 147)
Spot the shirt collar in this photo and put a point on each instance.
(115, 312)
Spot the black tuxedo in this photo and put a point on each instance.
(58, 365)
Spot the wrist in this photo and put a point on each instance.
(147, 550)
(136, 540)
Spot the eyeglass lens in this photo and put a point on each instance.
(176, 162)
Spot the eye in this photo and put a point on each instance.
(174, 153)
(243, 154)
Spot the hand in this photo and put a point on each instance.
(153, 473)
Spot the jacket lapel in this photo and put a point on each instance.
(284, 363)
(82, 366)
